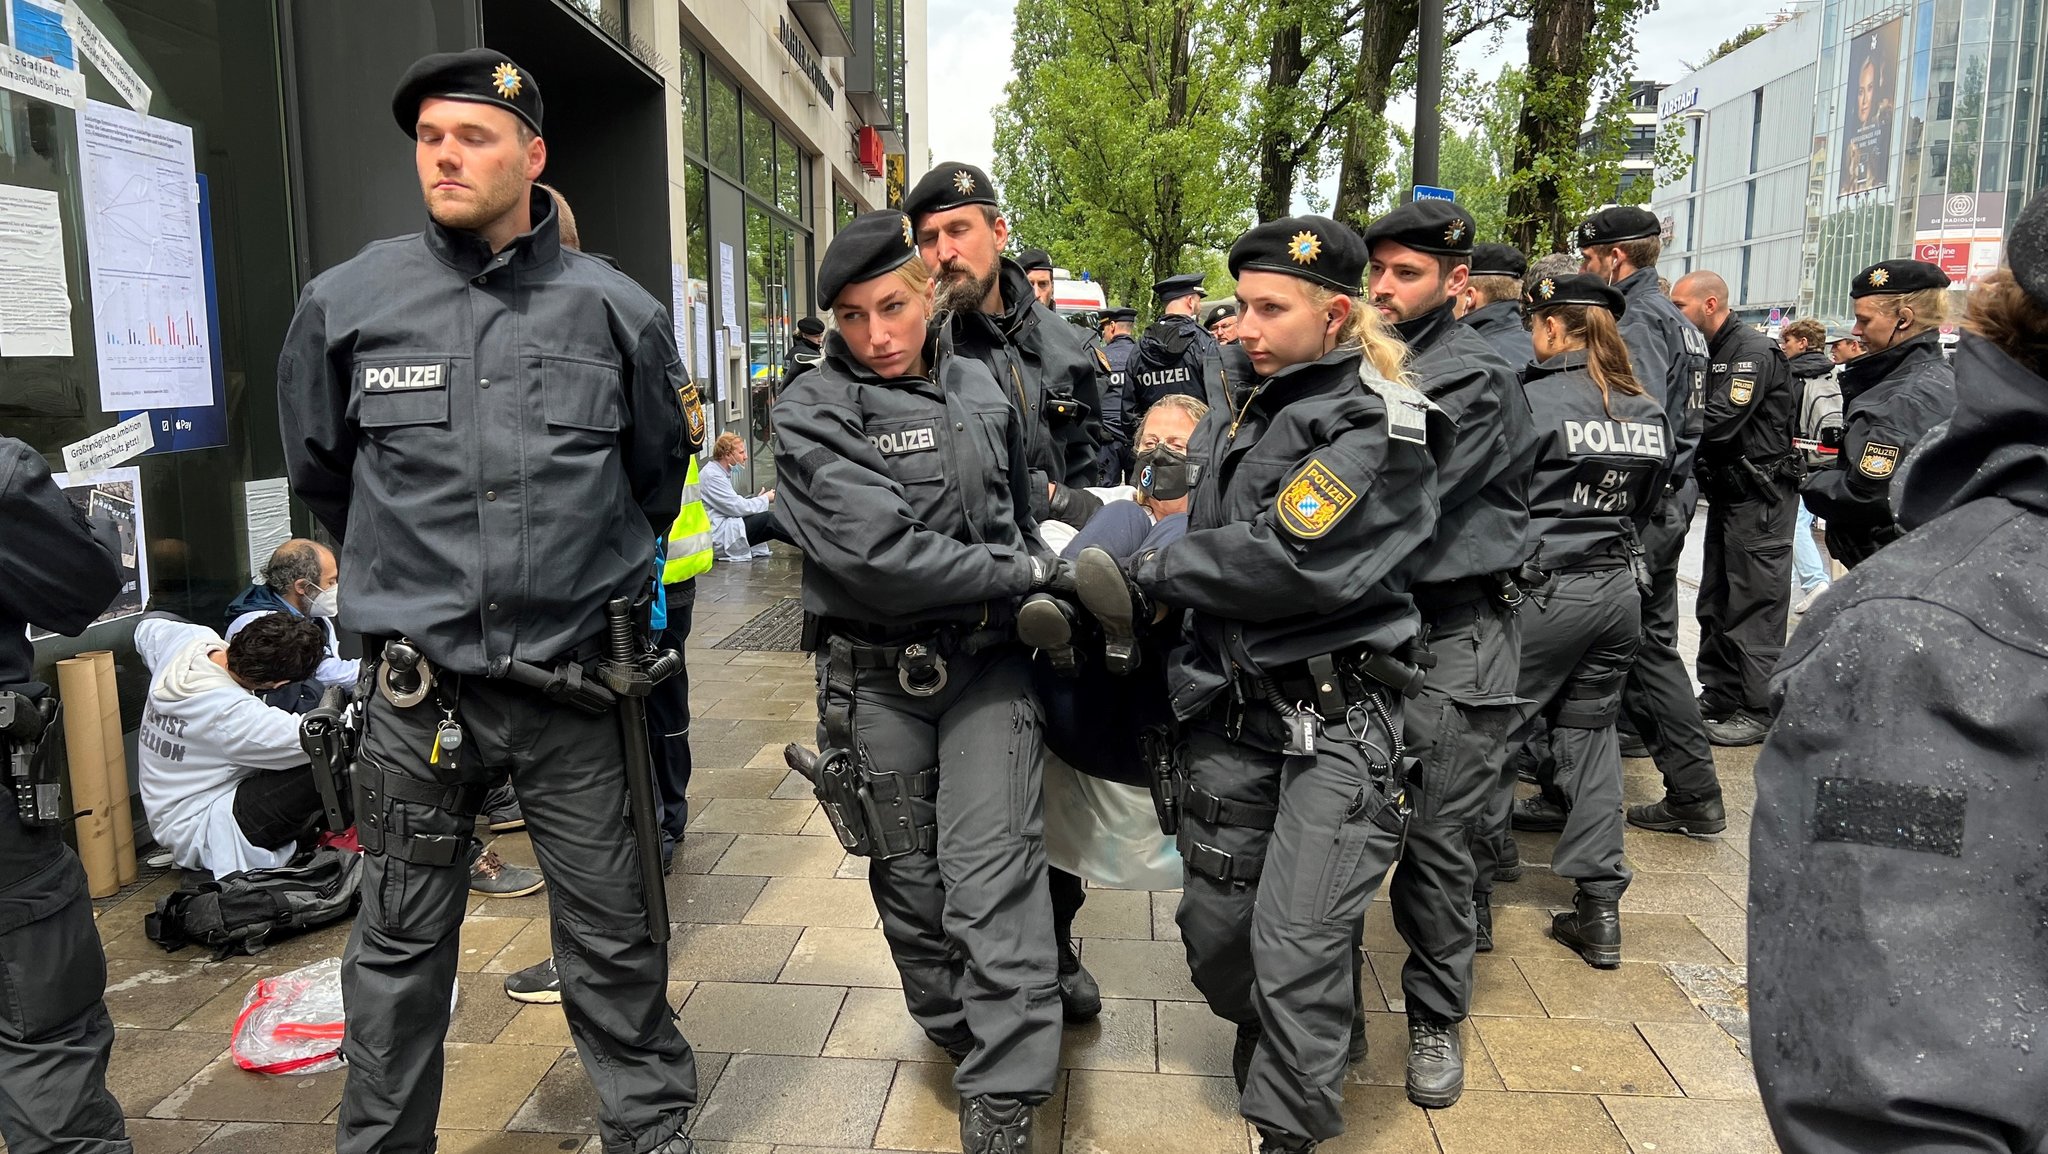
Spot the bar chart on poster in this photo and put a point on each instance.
(148, 281)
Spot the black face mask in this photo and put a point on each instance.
(1165, 474)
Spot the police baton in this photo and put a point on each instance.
(629, 673)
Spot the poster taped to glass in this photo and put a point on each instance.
(1870, 104)
(114, 494)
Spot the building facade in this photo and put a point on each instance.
(1639, 126)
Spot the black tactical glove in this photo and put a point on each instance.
(1073, 506)
(1051, 574)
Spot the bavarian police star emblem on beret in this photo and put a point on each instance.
(506, 80)
(1454, 232)
(1878, 277)
(909, 237)
(1304, 247)
(1546, 288)
(963, 182)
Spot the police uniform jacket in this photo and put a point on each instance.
(1890, 400)
(58, 572)
(909, 496)
(1119, 416)
(1599, 468)
(1043, 364)
(1483, 482)
(493, 439)
(1501, 324)
(1751, 401)
(1313, 493)
(1173, 358)
(1904, 776)
(1670, 359)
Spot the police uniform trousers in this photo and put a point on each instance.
(1457, 728)
(1276, 887)
(1659, 700)
(1579, 636)
(668, 717)
(55, 1033)
(968, 922)
(1745, 597)
(567, 767)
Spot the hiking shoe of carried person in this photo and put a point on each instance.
(1119, 607)
(1741, 728)
(1080, 997)
(494, 877)
(501, 810)
(537, 984)
(1689, 817)
(994, 1124)
(1436, 1062)
(1046, 623)
(1537, 814)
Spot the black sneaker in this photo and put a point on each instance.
(494, 877)
(1689, 817)
(1080, 997)
(501, 810)
(1436, 1062)
(537, 984)
(1537, 815)
(992, 1124)
(1741, 728)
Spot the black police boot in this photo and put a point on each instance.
(1280, 1142)
(1436, 1062)
(1482, 923)
(1080, 998)
(1592, 929)
(1668, 816)
(992, 1124)
(1509, 867)
(1046, 623)
(1537, 814)
(1241, 1052)
(1739, 728)
(1114, 602)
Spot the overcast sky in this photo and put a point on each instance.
(969, 61)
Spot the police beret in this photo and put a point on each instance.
(1218, 312)
(1575, 289)
(2026, 252)
(480, 76)
(1618, 224)
(871, 245)
(1121, 314)
(1174, 287)
(1897, 276)
(1499, 260)
(949, 185)
(1314, 248)
(1035, 258)
(1432, 226)
(811, 326)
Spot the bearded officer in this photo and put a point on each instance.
(1492, 302)
(1176, 355)
(1464, 587)
(488, 424)
(1037, 266)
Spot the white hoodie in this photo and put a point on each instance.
(201, 734)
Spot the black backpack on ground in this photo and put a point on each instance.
(242, 912)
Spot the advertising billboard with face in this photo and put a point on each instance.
(1871, 102)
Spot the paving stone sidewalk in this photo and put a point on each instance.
(784, 985)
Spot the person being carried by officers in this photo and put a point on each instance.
(1319, 482)
(904, 483)
(488, 423)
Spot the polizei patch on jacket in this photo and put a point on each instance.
(1314, 501)
(399, 378)
(1741, 389)
(896, 442)
(693, 410)
(1889, 815)
(1878, 460)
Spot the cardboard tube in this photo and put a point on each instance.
(85, 747)
(120, 811)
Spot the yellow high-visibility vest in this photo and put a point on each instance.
(689, 539)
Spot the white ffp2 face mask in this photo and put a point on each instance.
(327, 603)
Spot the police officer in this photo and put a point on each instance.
(1892, 396)
(1037, 266)
(1605, 450)
(1464, 586)
(1319, 484)
(1041, 362)
(1118, 424)
(488, 424)
(1176, 355)
(1750, 476)
(61, 572)
(1221, 321)
(903, 481)
(1900, 800)
(804, 349)
(1669, 357)
(1492, 301)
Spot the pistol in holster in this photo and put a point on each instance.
(873, 813)
(1165, 775)
(26, 724)
(329, 735)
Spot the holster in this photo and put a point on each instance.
(1166, 775)
(330, 744)
(26, 724)
(874, 812)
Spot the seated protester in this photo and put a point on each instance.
(741, 527)
(225, 783)
(303, 580)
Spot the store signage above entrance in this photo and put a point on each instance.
(805, 62)
(1677, 102)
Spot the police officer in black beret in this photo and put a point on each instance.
(1221, 321)
(1895, 889)
(804, 349)
(1043, 363)
(1176, 355)
(903, 480)
(1465, 587)
(1492, 301)
(1037, 266)
(1299, 642)
(487, 422)
(1891, 397)
(1621, 246)
(1119, 347)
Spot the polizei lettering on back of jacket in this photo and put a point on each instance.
(1600, 482)
(391, 378)
(898, 441)
(1629, 437)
